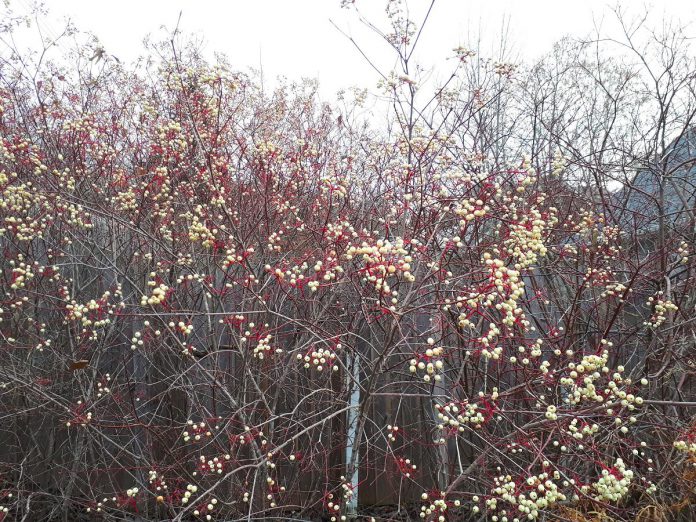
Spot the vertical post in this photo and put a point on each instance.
(352, 443)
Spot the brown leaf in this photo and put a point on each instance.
(79, 365)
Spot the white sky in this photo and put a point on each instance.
(295, 38)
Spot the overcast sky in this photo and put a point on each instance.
(296, 38)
